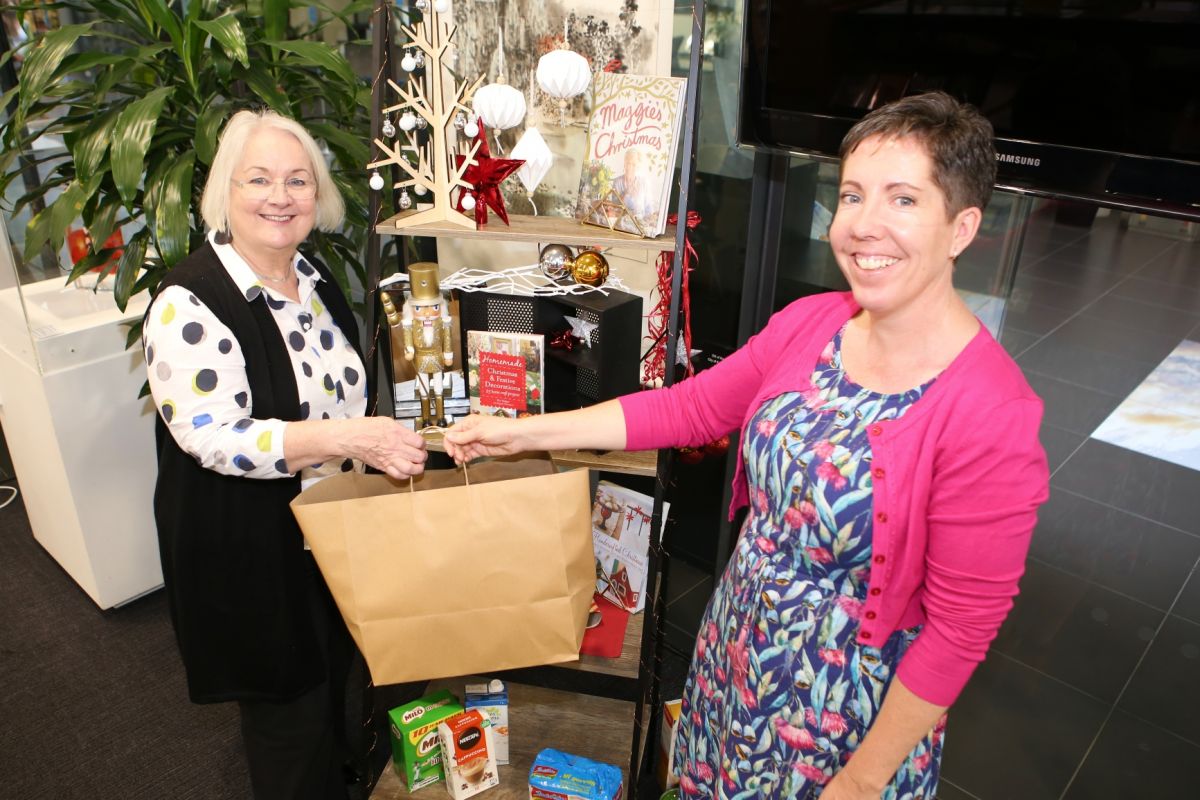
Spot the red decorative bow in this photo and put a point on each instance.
(564, 340)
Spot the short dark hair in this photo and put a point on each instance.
(957, 138)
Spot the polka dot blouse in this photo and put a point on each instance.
(198, 374)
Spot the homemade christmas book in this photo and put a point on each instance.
(633, 139)
(506, 373)
(621, 539)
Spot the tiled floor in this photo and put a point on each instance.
(1092, 689)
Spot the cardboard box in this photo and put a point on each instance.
(468, 754)
(491, 700)
(666, 744)
(416, 750)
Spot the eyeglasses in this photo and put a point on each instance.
(260, 188)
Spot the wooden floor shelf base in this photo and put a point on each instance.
(594, 727)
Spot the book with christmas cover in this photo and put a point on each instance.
(621, 541)
(633, 139)
(505, 373)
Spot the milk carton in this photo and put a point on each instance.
(467, 754)
(491, 700)
(416, 751)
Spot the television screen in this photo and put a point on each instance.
(1090, 99)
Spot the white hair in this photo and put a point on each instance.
(214, 205)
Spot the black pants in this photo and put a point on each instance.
(296, 749)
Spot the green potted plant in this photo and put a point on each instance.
(140, 119)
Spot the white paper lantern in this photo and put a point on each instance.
(533, 150)
(563, 74)
(499, 105)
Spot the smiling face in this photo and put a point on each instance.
(892, 236)
(269, 230)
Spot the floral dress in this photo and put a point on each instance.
(780, 693)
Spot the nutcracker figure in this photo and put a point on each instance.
(428, 340)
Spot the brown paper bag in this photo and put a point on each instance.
(454, 579)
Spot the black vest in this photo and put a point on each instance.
(238, 580)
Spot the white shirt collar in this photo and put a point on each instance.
(250, 285)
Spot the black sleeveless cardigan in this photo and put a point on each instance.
(238, 580)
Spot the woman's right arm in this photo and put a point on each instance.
(597, 427)
(691, 412)
(197, 376)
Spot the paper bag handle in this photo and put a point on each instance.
(436, 429)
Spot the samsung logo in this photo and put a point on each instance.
(1025, 161)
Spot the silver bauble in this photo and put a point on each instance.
(555, 262)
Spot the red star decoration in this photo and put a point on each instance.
(485, 177)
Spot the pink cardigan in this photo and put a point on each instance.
(957, 482)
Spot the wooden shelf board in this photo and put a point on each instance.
(625, 665)
(634, 462)
(637, 462)
(528, 228)
(599, 728)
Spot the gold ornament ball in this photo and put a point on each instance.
(556, 261)
(590, 268)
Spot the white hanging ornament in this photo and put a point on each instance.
(499, 105)
(409, 62)
(563, 74)
(422, 5)
(471, 129)
(468, 202)
(533, 150)
(420, 190)
(408, 121)
(441, 6)
(376, 181)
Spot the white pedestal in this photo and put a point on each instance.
(81, 442)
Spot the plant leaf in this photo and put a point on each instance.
(318, 54)
(172, 218)
(131, 139)
(89, 149)
(275, 18)
(265, 87)
(103, 222)
(64, 211)
(227, 31)
(129, 266)
(208, 126)
(43, 59)
(162, 14)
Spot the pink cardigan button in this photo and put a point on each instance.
(878, 473)
(876, 430)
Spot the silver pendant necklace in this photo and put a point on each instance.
(277, 281)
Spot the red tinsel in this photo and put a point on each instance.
(655, 365)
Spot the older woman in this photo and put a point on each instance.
(254, 366)
(891, 463)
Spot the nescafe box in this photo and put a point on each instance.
(467, 754)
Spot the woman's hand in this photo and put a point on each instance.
(477, 435)
(844, 786)
(386, 445)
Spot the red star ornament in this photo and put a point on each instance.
(485, 177)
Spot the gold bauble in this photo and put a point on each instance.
(590, 268)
